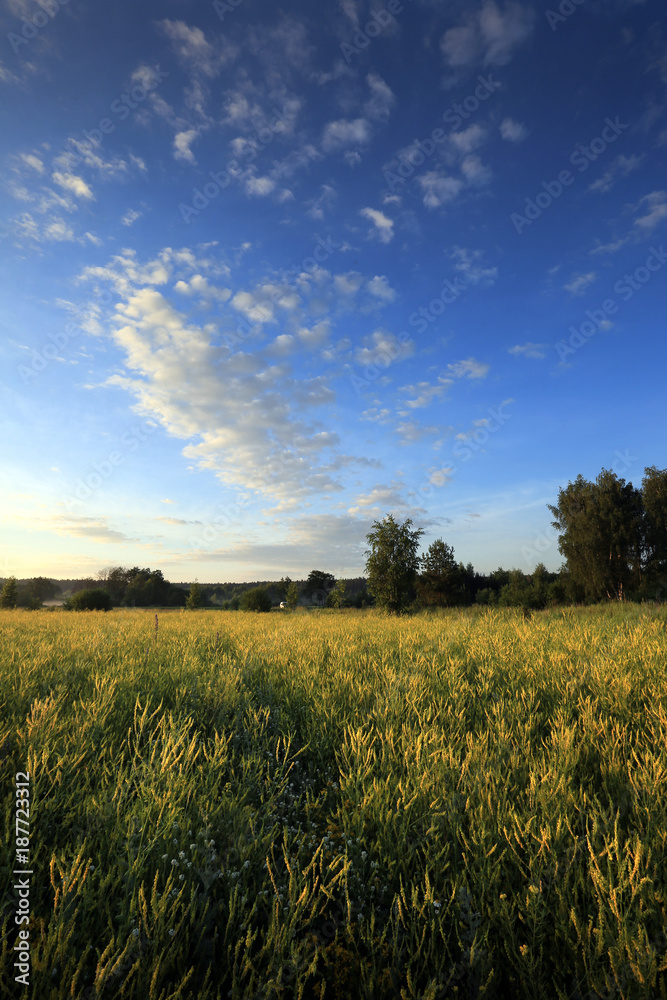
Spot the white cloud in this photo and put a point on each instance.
(130, 217)
(33, 161)
(381, 348)
(182, 143)
(194, 50)
(468, 262)
(383, 226)
(528, 350)
(424, 393)
(344, 132)
(260, 185)
(381, 498)
(380, 287)
(656, 203)
(470, 368)
(474, 171)
(489, 37)
(579, 283)
(513, 131)
(467, 140)
(621, 167)
(382, 99)
(318, 206)
(439, 188)
(70, 182)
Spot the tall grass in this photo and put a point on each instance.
(339, 805)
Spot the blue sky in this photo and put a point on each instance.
(274, 271)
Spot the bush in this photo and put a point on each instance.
(95, 599)
(256, 599)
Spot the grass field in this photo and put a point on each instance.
(338, 805)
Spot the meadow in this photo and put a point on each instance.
(337, 805)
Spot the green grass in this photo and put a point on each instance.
(339, 805)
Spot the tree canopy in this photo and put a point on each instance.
(612, 534)
(392, 562)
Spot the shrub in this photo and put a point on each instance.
(95, 599)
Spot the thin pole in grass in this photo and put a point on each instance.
(156, 624)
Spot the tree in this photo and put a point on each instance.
(9, 593)
(654, 496)
(292, 596)
(41, 589)
(256, 599)
(318, 585)
(93, 599)
(441, 581)
(195, 597)
(392, 562)
(282, 587)
(600, 528)
(336, 598)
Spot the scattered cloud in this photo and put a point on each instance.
(656, 202)
(621, 167)
(70, 182)
(469, 368)
(579, 283)
(439, 189)
(528, 350)
(130, 217)
(488, 38)
(339, 134)
(513, 131)
(468, 262)
(383, 226)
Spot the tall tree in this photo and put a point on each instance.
(654, 496)
(441, 582)
(292, 595)
(600, 534)
(318, 585)
(9, 593)
(196, 597)
(392, 562)
(336, 598)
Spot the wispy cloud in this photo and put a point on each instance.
(528, 350)
(383, 227)
(488, 38)
(579, 283)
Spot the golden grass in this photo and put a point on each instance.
(328, 805)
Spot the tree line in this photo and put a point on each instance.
(612, 535)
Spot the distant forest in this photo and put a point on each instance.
(612, 535)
